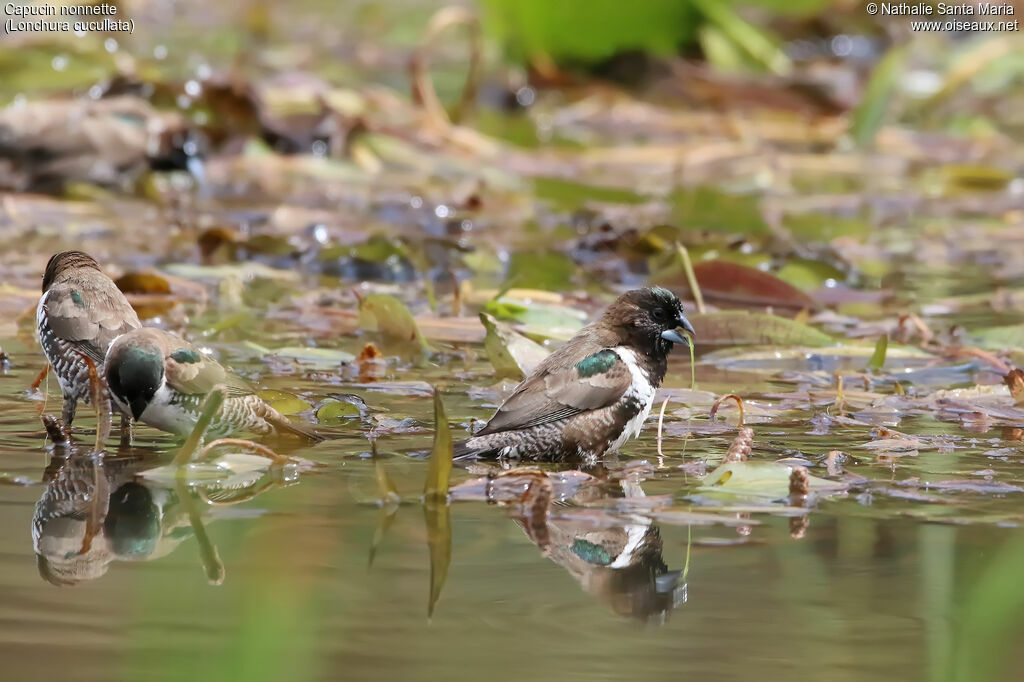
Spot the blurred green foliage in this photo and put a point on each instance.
(593, 31)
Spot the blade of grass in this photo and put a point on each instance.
(691, 279)
(870, 114)
(208, 411)
(435, 504)
(878, 357)
(212, 564)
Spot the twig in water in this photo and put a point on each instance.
(718, 403)
(212, 564)
(245, 444)
(101, 402)
(34, 386)
(423, 92)
(661, 419)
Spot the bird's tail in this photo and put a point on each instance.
(284, 425)
(477, 448)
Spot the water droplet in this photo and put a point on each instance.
(193, 89)
(319, 148)
(416, 202)
(204, 72)
(160, 52)
(842, 45)
(110, 45)
(184, 101)
(59, 63)
(526, 96)
(441, 211)
(95, 92)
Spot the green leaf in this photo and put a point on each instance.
(870, 114)
(337, 411)
(513, 355)
(759, 479)
(436, 487)
(547, 320)
(285, 403)
(741, 328)
(550, 270)
(321, 358)
(589, 32)
(878, 357)
(999, 338)
(391, 319)
(755, 42)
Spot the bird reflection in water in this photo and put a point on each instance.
(614, 556)
(96, 510)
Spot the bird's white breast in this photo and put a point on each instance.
(640, 389)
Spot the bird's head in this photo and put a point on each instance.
(134, 370)
(64, 261)
(648, 320)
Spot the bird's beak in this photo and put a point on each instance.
(674, 336)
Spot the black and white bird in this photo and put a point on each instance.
(594, 393)
(79, 314)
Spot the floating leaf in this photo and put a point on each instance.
(726, 282)
(513, 355)
(285, 403)
(321, 358)
(997, 338)
(544, 320)
(398, 331)
(760, 479)
(337, 411)
(738, 328)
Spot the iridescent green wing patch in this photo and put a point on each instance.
(591, 553)
(598, 363)
(185, 355)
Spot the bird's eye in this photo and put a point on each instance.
(659, 314)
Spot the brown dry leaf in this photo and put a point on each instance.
(370, 363)
(724, 282)
(1015, 381)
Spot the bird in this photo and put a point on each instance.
(162, 380)
(110, 141)
(593, 393)
(79, 314)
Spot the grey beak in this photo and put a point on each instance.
(674, 336)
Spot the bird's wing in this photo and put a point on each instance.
(88, 319)
(596, 381)
(192, 372)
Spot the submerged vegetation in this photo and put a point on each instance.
(385, 216)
